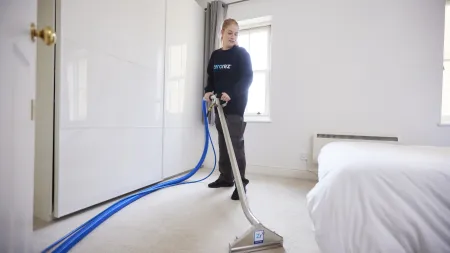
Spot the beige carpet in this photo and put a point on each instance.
(193, 219)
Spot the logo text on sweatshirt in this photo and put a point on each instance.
(222, 66)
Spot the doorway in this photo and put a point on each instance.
(44, 111)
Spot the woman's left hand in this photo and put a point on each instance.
(225, 97)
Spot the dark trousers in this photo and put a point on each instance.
(236, 127)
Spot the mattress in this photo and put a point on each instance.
(384, 198)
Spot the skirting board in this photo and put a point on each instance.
(283, 172)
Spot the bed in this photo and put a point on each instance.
(383, 198)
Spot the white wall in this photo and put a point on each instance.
(128, 98)
(352, 66)
(202, 3)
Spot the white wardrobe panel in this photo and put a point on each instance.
(131, 31)
(183, 128)
(100, 90)
(107, 167)
(109, 94)
(183, 148)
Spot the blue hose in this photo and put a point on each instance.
(72, 238)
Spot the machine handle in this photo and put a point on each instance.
(222, 103)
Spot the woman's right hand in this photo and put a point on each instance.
(207, 96)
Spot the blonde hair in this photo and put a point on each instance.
(227, 22)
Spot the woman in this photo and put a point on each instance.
(230, 75)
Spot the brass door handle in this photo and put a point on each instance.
(46, 34)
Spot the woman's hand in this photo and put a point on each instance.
(225, 97)
(207, 96)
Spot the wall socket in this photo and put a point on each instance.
(304, 157)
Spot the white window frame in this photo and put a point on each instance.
(445, 118)
(255, 24)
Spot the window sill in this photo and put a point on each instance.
(257, 119)
(445, 121)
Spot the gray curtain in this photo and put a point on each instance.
(216, 12)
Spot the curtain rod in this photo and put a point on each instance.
(236, 2)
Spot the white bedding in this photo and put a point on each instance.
(382, 198)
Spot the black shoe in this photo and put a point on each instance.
(235, 195)
(220, 183)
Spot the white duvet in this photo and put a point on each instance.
(382, 198)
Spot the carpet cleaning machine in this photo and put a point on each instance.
(256, 238)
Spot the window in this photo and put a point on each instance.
(255, 38)
(445, 114)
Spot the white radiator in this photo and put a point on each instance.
(321, 139)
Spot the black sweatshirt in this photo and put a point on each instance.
(231, 71)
